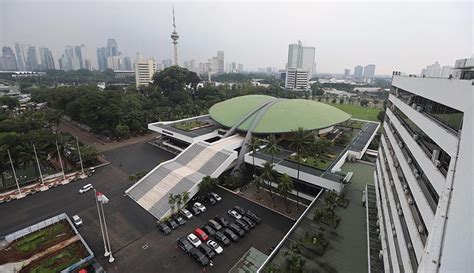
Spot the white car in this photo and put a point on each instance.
(216, 196)
(232, 213)
(186, 213)
(217, 248)
(86, 188)
(77, 220)
(200, 206)
(194, 240)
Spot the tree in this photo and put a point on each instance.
(272, 146)
(294, 262)
(269, 176)
(257, 181)
(185, 197)
(285, 186)
(381, 115)
(172, 202)
(253, 145)
(9, 101)
(364, 103)
(207, 185)
(89, 155)
(179, 201)
(175, 78)
(300, 142)
(122, 131)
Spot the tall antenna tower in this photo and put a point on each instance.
(175, 37)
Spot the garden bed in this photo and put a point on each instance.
(321, 163)
(191, 125)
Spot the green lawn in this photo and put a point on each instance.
(190, 125)
(356, 111)
(322, 162)
(35, 240)
(57, 262)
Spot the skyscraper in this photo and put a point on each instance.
(220, 62)
(144, 71)
(369, 71)
(46, 57)
(8, 60)
(175, 37)
(358, 72)
(347, 72)
(446, 71)
(433, 70)
(80, 54)
(112, 48)
(301, 57)
(65, 63)
(127, 63)
(88, 64)
(32, 59)
(20, 57)
(102, 58)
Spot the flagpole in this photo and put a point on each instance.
(60, 162)
(111, 259)
(39, 169)
(20, 195)
(106, 252)
(80, 159)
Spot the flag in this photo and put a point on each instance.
(102, 198)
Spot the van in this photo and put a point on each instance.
(85, 188)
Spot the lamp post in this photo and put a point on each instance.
(43, 188)
(83, 175)
(20, 194)
(61, 163)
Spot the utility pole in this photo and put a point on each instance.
(83, 175)
(61, 163)
(106, 252)
(43, 188)
(111, 258)
(20, 195)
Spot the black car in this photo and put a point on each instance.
(172, 224)
(199, 256)
(194, 210)
(221, 238)
(215, 225)
(239, 210)
(207, 250)
(248, 221)
(179, 219)
(164, 228)
(235, 228)
(222, 221)
(253, 216)
(209, 230)
(229, 233)
(211, 200)
(241, 223)
(184, 244)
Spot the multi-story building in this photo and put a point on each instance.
(358, 72)
(20, 56)
(32, 59)
(433, 70)
(127, 63)
(240, 68)
(46, 57)
(8, 59)
(80, 54)
(297, 79)
(301, 57)
(446, 71)
(102, 58)
(347, 72)
(369, 71)
(167, 63)
(424, 174)
(220, 62)
(112, 48)
(144, 70)
(88, 64)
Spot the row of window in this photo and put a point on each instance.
(438, 156)
(449, 117)
(428, 190)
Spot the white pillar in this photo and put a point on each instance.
(61, 162)
(39, 169)
(20, 194)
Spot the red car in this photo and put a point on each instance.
(201, 234)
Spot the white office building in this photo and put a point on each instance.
(144, 70)
(301, 57)
(424, 174)
(297, 79)
(369, 71)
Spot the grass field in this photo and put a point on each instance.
(356, 111)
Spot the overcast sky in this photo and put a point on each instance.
(401, 36)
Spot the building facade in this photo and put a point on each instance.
(423, 175)
(301, 57)
(144, 71)
(8, 59)
(46, 57)
(369, 71)
(297, 79)
(358, 72)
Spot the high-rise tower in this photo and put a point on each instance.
(175, 37)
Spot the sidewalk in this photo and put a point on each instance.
(264, 199)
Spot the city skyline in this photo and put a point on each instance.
(199, 41)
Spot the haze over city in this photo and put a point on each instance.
(394, 36)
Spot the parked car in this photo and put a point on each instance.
(229, 233)
(211, 200)
(235, 228)
(222, 220)
(248, 221)
(241, 223)
(201, 234)
(179, 219)
(172, 224)
(215, 225)
(199, 256)
(85, 188)
(253, 216)
(184, 244)
(216, 196)
(240, 210)
(194, 210)
(221, 238)
(234, 214)
(186, 213)
(216, 247)
(194, 240)
(209, 230)
(207, 250)
(200, 206)
(77, 220)
(165, 229)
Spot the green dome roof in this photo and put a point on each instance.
(276, 115)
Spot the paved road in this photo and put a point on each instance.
(130, 226)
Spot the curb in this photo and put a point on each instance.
(255, 202)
